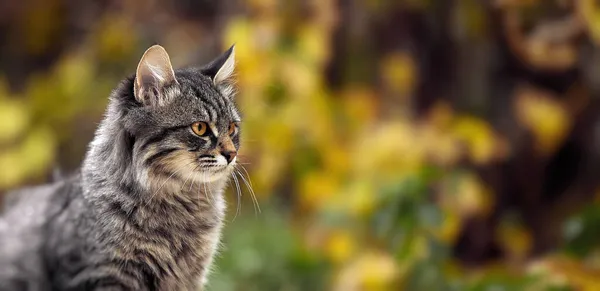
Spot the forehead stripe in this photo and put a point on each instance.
(213, 128)
(208, 103)
(200, 96)
(214, 113)
(203, 98)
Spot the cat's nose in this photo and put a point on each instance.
(229, 155)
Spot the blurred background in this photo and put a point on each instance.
(392, 145)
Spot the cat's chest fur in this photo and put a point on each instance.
(160, 244)
(174, 238)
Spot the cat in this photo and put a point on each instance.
(146, 209)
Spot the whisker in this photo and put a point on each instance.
(193, 180)
(228, 186)
(252, 194)
(247, 174)
(238, 206)
(237, 186)
(188, 178)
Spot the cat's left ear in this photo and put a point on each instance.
(153, 74)
(221, 69)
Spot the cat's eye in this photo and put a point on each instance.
(233, 128)
(199, 128)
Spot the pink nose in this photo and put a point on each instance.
(229, 155)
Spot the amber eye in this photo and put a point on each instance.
(199, 128)
(232, 128)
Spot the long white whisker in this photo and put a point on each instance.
(238, 172)
(188, 178)
(237, 186)
(252, 195)
(238, 196)
(247, 174)
(194, 180)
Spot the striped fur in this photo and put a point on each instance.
(144, 212)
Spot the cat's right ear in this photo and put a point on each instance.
(220, 71)
(153, 73)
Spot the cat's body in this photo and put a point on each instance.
(145, 212)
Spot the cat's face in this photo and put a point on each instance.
(186, 127)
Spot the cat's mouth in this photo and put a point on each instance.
(216, 168)
(201, 169)
(214, 172)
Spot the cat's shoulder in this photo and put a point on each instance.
(40, 194)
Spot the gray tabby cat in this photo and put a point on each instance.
(145, 211)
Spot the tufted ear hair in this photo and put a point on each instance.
(221, 70)
(153, 74)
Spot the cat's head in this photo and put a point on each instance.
(184, 123)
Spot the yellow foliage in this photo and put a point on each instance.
(372, 271)
(359, 199)
(28, 159)
(277, 136)
(515, 239)
(254, 56)
(442, 148)
(440, 116)
(313, 45)
(74, 67)
(590, 13)
(298, 77)
(9, 159)
(469, 197)
(360, 106)
(336, 159)
(450, 228)
(316, 124)
(445, 136)
(340, 246)
(114, 40)
(545, 117)
(441, 145)
(391, 150)
(14, 119)
(399, 73)
(479, 138)
(267, 171)
(317, 188)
